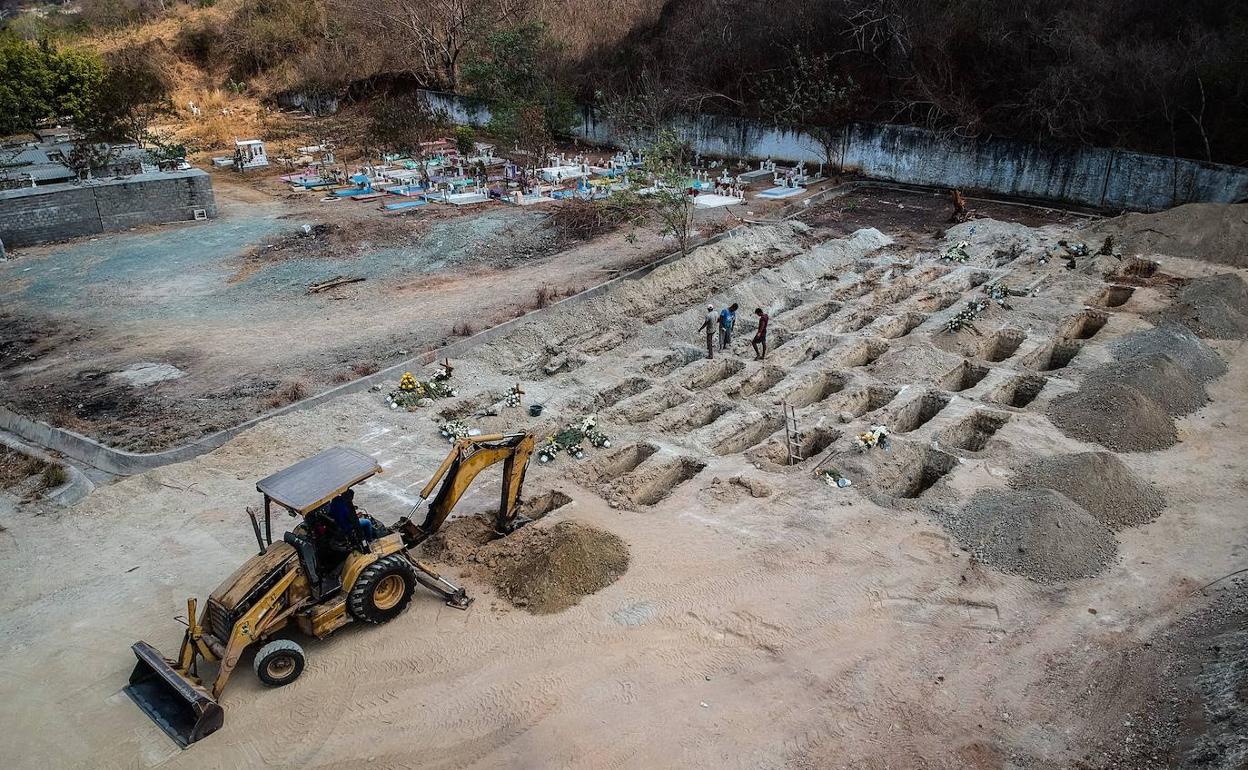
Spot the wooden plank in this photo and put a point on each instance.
(340, 280)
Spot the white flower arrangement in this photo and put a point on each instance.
(966, 315)
(834, 479)
(876, 435)
(956, 252)
(513, 396)
(454, 430)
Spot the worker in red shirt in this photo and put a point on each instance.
(760, 336)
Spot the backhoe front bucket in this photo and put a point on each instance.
(182, 708)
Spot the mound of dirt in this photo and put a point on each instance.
(1115, 416)
(1098, 481)
(1157, 376)
(1215, 306)
(540, 569)
(1210, 232)
(1036, 533)
(1192, 354)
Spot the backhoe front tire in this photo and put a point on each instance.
(383, 590)
(279, 662)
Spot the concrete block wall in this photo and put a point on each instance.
(56, 212)
(1087, 176)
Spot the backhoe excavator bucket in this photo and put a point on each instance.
(183, 709)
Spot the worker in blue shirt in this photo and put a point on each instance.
(727, 320)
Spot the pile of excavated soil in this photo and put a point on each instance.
(1115, 416)
(1036, 533)
(1157, 376)
(1211, 232)
(1215, 306)
(1189, 351)
(1098, 481)
(540, 569)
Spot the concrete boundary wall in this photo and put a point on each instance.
(32, 215)
(1085, 176)
(121, 462)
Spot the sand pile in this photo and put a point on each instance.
(1215, 306)
(1115, 416)
(1036, 533)
(1098, 481)
(1191, 353)
(1211, 232)
(1156, 376)
(541, 569)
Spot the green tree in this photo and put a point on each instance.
(133, 92)
(507, 74)
(38, 82)
(667, 164)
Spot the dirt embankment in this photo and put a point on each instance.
(1215, 307)
(1129, 405)
(1098, 481)
(542, 569)
(1210, 232)
(1036, 533)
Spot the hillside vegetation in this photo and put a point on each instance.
(1165, 76)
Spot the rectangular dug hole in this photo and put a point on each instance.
(1001, 345)
(1113, 296)
(964, 377)
(918, 412)
(868, 399)
(801, 351)
(714, 371)
(621, 461)
(813, 442)
(750, 432)
(806, 317)
(1055, 355)
(910, 479)
(816, 389)
(902, 325)
(1085, 325)
(544, 504)
(973, 432)
(937, 301)
(864, 353)
(761, 381)
(665, 480)
(1020, 391)
(609, 397)
(648, 406)
(683, 420)
(673, 361)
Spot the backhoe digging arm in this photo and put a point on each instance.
(468, 458)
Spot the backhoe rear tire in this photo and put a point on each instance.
(279, 662)
(383, 590)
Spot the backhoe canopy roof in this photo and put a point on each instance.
(309, 484)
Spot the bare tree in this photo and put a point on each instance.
(431, 36)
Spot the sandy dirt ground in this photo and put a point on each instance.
(766, 618)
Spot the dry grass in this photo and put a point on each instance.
(463, 329)
(288, 394)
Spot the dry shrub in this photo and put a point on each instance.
(53, 476)
(463, 330)
(541, 297)
(581, 219)
(288, 394)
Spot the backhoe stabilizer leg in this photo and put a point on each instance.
(454, 595)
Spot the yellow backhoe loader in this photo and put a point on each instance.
(336, 566)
